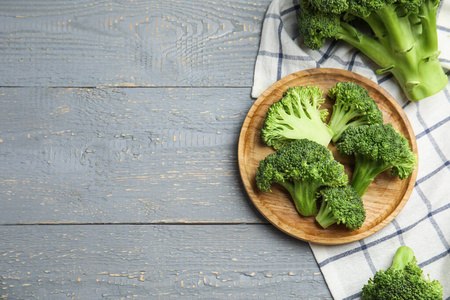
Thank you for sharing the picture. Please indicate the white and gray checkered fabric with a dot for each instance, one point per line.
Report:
(424, 223)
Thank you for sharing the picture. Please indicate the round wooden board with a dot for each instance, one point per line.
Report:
(383, 200)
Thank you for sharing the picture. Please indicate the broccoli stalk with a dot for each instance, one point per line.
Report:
(402, 40)
(341, 205)
(302, 167)
(304, 194)
(403, 256)
(353, 106)
(365, 171)
(298, 115)
(402, 280)
(376, 148)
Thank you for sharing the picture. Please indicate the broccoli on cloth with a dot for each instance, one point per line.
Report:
(400, 36)
(341, 205)
(353, 106)
(298, 115)
(402, 280)
(377, 148)
(301, 167)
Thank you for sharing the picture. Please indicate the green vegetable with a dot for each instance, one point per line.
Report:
(297, 116)
(376, 148)
(301, 167)
(353, 106)
(341, 205)
(398, 35)
(402, 280)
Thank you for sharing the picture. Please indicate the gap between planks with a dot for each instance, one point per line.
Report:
(128, 87)
(141, 224)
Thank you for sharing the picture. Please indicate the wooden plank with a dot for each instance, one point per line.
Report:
(150, 155)
(129, 43)
(156, 262)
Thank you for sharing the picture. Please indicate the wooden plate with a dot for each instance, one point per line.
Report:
(383, 200)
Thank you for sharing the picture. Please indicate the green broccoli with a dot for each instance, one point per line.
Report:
(301, 167)
(341, 205)
(353, 106)
(297, 116)
(400, 36)
(402, 280)
(376, 148)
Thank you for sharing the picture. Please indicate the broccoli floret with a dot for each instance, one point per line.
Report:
(341, 205)
(398, 35)
(376, 148)
(353, 106)
(402, 280)
(297, 116)
(301, 167)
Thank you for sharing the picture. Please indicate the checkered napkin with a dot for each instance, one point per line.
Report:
(424, 223)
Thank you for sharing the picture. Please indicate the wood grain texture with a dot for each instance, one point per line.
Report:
(129, 43)
(122, 155)
(383, 200)
(81, 144)
(156, 262)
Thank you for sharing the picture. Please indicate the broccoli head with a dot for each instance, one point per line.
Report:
(297, 116)
(398, 35)
(353, 106)
(301, 167)
(402, 280)
(341, 205)
(377, 148)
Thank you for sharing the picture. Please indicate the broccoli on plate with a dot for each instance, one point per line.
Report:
(301, 167)
(400, 36)
(353, 106)
(402, 280)
(376, 148)
(298, 115)
(341, 205)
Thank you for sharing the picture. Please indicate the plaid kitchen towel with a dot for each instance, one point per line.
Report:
(424, 223)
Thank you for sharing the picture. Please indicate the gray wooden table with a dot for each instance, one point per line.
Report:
(119, 124)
